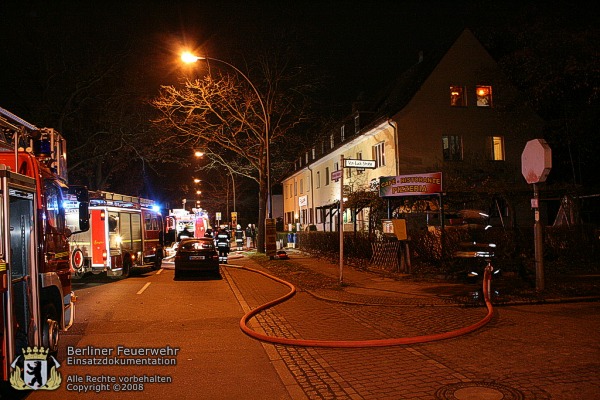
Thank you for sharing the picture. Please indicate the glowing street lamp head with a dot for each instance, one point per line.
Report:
(188, 57)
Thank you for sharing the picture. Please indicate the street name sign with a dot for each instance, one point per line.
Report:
(349, 163)
(336, 175)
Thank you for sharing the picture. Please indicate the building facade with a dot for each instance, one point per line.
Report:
(448, 111)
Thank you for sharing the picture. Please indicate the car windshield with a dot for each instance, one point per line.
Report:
(195, 245)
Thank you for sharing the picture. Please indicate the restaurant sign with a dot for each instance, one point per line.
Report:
(410, 185)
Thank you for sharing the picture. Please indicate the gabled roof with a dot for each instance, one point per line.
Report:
(397, 94)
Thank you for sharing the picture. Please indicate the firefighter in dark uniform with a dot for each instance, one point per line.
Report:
(239, 237)
(223, 245)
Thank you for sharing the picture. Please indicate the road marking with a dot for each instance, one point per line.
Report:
(159, 271)
(144, 288)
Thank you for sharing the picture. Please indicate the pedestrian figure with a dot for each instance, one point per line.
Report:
(223, 245)
(185, 233)
(239, 237)
(249, 242)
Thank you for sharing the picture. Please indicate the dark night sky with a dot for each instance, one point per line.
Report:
(356, 46)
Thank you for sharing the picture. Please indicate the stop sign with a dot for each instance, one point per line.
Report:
(536, 161)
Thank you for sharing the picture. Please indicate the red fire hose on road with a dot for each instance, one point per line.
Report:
(356, 343)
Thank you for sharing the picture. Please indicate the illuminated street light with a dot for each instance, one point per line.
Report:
(198, 153)
(188, 57)
(196, 180)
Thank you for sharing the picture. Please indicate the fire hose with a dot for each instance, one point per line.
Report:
(356, 343)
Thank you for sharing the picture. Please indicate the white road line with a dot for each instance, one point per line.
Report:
(144, 288)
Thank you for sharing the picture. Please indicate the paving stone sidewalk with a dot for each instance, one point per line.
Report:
(520, 354)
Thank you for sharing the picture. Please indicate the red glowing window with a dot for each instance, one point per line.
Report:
(484, 96)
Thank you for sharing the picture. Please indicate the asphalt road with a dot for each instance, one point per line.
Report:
(194, 322)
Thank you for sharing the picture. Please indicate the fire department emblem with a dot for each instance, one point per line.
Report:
(39, 371)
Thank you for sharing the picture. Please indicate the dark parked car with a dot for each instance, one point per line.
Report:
(198, 255)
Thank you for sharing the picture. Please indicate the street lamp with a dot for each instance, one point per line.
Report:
(188, 57)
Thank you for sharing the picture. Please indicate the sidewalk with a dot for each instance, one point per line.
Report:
(321, 278)
(522, 353)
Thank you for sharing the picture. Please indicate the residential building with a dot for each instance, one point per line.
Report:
(446, 112)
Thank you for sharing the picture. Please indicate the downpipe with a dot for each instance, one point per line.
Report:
(356, 343)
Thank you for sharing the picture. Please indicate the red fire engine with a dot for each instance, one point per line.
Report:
(183, 222)
(125, 232)
(35, 290)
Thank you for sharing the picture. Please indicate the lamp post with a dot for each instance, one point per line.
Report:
(188, 57)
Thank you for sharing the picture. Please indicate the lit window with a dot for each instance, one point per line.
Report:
(379, 154)
(496, 148)
(457, 96)
(314, 153)
(306, 157)
(452, 148)
(484, 96)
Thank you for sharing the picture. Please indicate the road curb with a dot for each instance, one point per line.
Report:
(280, 366)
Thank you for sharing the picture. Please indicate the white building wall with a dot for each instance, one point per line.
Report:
(326, 191)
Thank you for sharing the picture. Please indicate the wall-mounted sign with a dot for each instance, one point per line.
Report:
(410, 185)
(303, 201)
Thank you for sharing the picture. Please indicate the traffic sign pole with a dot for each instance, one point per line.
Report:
(538, 242)
(536, 163)
(342, 221)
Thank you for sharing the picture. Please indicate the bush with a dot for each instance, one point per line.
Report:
(567, 249)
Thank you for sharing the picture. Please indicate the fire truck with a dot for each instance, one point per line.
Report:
(35, 289)
(125, 232)
(180, 221)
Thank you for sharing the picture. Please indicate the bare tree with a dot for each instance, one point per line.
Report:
(221, 113)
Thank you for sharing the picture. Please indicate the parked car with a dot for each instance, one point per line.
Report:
(196, 255)
(281, 255)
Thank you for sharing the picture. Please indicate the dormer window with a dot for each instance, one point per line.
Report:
(357, 123)
(484, 96)
(342, 133)
(457, 96)
(331, 141)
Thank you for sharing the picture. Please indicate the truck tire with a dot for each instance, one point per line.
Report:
(126, 266)
(50, 327)
(157, 260)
